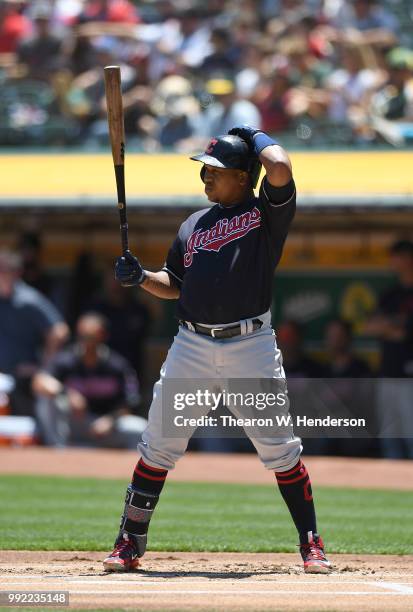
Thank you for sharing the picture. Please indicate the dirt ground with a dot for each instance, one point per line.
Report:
(207, 467)
(213, 581)
(206, 581)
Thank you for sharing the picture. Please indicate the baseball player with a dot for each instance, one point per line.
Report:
(220, 269)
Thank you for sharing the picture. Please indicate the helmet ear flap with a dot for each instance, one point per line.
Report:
(202, 173)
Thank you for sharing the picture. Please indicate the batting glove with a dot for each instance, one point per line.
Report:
(246, 132)
(128, 270)
(256, 140)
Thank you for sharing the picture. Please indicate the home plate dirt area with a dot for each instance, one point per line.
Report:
(171, 581)
(206, 581)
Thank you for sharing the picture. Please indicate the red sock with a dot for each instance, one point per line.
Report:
(295, 487)
(149, 479)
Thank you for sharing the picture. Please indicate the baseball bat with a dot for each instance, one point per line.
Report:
(117, 140)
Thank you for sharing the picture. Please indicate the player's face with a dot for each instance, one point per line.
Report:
(225, 186)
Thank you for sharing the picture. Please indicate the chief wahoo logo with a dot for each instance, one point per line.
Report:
(211, 145)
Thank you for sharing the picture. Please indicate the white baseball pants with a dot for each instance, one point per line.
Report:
(195, 356)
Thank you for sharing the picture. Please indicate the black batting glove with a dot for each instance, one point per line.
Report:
(247, 133)
(128, 270)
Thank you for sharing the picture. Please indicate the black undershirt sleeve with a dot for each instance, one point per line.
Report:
(277, 196)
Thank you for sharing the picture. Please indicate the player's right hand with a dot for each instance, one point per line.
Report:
(246, 132)
(128, 270)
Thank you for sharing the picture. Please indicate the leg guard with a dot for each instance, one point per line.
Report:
(139, 507)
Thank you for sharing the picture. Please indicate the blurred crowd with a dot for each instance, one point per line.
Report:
(316, 72)
(72, 353)
(74, 373)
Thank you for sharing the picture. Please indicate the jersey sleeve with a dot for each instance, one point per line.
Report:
(277, 197)
(174, 264)
(278, 209)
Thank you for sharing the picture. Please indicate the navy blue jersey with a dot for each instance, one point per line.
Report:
(224, 258)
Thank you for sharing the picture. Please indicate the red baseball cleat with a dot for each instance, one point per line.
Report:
(315, 561)
(124, 557)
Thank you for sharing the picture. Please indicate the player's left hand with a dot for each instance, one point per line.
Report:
(246, 132)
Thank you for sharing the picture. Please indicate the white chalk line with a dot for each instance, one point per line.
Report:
(392, 589)
(168, 593)
(395, 586)
(178, 580)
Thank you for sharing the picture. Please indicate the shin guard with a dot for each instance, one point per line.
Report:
(139, 507)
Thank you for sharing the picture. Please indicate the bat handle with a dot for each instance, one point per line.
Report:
(124, 237)
(120, 185)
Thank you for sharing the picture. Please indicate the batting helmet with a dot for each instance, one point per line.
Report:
(230, 152)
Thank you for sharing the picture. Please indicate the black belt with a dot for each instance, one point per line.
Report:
(219, 332)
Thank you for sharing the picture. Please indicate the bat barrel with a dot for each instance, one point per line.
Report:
(113, 88)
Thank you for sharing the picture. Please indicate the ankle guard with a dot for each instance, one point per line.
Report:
(139, 507)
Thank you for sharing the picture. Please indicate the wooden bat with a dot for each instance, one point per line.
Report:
(117, 140)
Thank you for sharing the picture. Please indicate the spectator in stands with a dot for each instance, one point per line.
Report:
(365, 16)
(392, 106)
(350, 85)
(249, 71)
(121, 11)
(272, 99)
(14, 26)
(172, 117)
(88, 393)
(300, 72)
(248, 42)
(341, 361)
(179, 124)
(193, 44)
(66, 12)
(222, 58)
(226, 108)
(31, 330)
(86, 96)
(392, 324)
(41, 54)
(81, 55)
